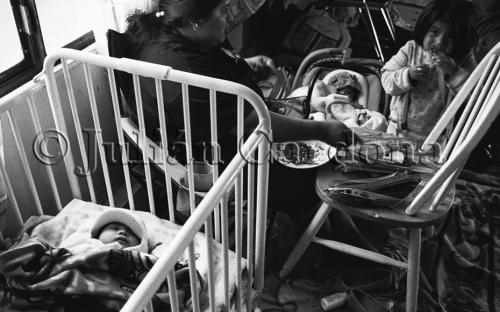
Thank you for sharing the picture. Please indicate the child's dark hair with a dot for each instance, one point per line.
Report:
(459, 14)
(144, 27)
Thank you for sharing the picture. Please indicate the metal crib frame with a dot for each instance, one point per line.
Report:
(214, 203)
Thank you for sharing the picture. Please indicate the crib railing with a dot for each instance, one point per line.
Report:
(210, 216)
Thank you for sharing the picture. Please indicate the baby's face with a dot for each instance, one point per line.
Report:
(120, 233)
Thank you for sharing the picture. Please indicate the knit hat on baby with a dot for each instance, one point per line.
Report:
(123, 216)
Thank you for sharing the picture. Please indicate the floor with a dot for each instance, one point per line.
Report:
(465, 257)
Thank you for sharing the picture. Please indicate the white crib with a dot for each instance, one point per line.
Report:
(62, 167)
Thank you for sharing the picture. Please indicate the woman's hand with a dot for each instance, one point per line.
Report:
(336, 133)
(259, 62)
(419, 72)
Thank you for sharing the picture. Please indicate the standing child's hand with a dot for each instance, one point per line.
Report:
(445, 63)
(419, 72)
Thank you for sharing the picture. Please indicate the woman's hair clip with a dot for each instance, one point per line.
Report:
(160, 14)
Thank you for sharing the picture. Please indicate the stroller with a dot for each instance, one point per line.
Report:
(316, 65)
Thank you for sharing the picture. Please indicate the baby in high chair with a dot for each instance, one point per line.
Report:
(343, 94)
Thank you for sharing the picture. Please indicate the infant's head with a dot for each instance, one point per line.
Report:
(120, 226)
(346, 84)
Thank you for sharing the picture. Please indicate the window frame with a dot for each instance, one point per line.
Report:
(34, 52)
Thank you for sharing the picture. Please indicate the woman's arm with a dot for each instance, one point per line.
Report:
(285, 128)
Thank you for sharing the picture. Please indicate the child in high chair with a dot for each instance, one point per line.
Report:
(424, 76)
(114, 228)
(342, 95)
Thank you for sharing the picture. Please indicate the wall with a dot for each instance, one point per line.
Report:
(23, 118)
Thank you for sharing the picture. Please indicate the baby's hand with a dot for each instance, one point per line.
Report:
(318, 96)
(443, 61)
(419, 72)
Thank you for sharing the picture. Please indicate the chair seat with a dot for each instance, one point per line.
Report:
(328, 176)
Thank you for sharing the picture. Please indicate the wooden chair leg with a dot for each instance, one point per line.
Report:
(317, 222)
(414, 246)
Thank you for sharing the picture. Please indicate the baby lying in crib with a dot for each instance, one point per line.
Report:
(342, 95)
(105, 262)
(113, 229)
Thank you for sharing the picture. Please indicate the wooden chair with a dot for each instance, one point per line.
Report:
(480, 96)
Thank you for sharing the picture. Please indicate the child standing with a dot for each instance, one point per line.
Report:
(424, 76)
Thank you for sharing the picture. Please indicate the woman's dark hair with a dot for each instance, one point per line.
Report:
(144, 27)
(459, 14)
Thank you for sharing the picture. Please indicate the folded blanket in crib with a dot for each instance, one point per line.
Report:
(38, 276)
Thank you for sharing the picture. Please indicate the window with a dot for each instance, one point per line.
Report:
(77, 14)
(31, 28)
(12, 45)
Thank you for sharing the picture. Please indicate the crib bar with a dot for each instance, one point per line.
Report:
(239, 210)
(48, 169)
(164, 150)
(189, 146)
(98, 134)
(193, 278)
(239, 207)
(250, 228)
(225, 247)
(172, 288)
(209, 235)
(189, 162)
(10, 192)
(142, 138)
(78, 129)
(215, 157)
(261, 214)
(24, 161)
(121, 141)
(467, 111)
(457, 100)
